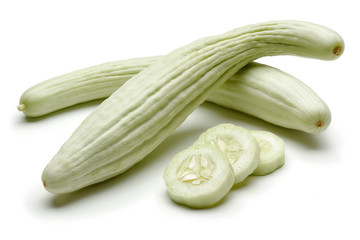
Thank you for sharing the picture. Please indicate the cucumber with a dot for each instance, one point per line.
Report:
(274, 96)
(199, 176)
(83, 85)
(239, 146)
(272, 152)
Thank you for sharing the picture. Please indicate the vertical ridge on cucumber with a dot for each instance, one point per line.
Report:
(280, 98)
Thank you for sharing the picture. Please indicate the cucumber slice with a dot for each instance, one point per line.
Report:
(238, 145)
(272, 152)
(199, 176)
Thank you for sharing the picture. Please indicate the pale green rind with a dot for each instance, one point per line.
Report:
(274, 96)
(248, 160)
(207, 193)
(169, 90)
(274, 158)
(95, 82)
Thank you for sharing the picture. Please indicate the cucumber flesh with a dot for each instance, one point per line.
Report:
(272, 152)
(199, 177)
(239, 146)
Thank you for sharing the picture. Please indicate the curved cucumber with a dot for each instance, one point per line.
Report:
(274, 96)
(95, 82)
(141, 114)
(199, 176)
(272, 152)
(239, 146)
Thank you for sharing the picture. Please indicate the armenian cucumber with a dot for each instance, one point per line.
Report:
(274, 96)
(95, 82)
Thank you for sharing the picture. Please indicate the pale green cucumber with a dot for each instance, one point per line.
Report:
(136, 118)
(272, 152)
(240, 147)
(274, 96)
(199, 176)
(95, 82)
(257, 89)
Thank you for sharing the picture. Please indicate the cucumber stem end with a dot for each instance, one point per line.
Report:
(319, 124)
(337, 50)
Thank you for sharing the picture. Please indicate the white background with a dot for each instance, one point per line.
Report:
(315, 195)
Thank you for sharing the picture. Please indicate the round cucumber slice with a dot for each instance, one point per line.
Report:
(238, 145)
(199, 176)
(272, 152)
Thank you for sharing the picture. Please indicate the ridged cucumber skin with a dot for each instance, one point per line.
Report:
(206, 194)
(150, 106)
(257, 89)
(95, 82)
(274, 96)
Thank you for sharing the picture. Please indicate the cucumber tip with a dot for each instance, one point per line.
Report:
(21, 107)
(319, 124)
(337, 50)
